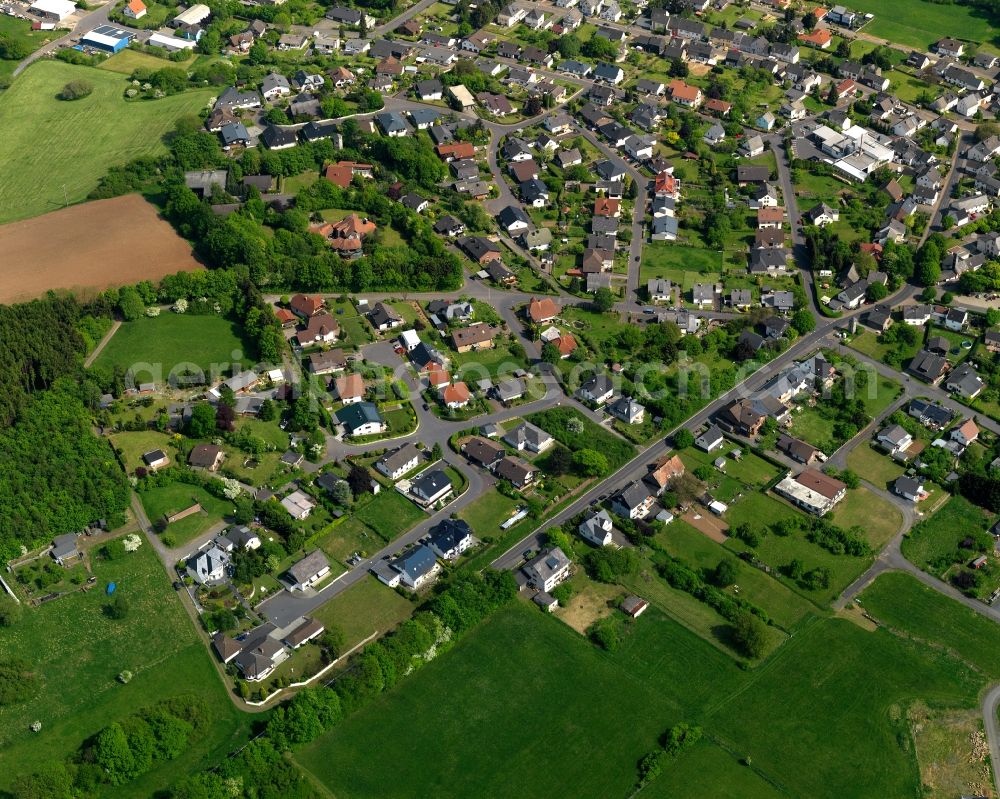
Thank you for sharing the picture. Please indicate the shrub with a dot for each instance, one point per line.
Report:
(76, 90)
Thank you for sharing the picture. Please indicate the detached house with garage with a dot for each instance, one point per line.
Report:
(597, 389)
(450, 538)
(528, 437)
(398, 462)
(308, 571)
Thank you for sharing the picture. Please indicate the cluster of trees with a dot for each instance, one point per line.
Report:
(55, 475)
(76, 90)
(121, 752)
(901, 339)
(39, 343)
(704, 587)
(610, 632)
(610, 564)
(676, 740)
(927, 264)
(981, 488)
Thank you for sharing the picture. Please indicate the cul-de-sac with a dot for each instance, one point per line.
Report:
(594, 399)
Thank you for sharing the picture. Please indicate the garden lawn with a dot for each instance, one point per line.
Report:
(78, 653)
(390, 514)
(487, 513)
(868, 344)
(345, 538)
(918, 23)
(657, 257)
(159, 502)
(871, 465)
(473, 366)
(936, 540)
(363, 609)
(879, 519)
(134, 444)
(751, 469)
(171, 340)
(811, 426)
(65, 147)
(885, 393)
(553, 421)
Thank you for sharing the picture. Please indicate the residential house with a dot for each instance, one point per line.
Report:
(709, 440)
(596, 528)
(965, 433)
(633, 502)
(298, 504)
(517, 471)
(894, 439)
(456, 395)
(384, 317)
(482, 452)
(319, 329)
(627, 410)
(797, 450)
(548, 569)
(361, 419)
(449, 539)
(910, 488)
(964, 381)
(528, 437)
(206, 456)
(399, 461)
(309, 571)
(598, 390)
(812, 491)
(431, 486)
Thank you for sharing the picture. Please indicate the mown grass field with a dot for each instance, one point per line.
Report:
(174, 340)
(78, 652)
(363, 609)
(64, 147)
(824, 716)
(874, 466)
(159, 502)
(918, 23)
(128, 61)
(390, 514)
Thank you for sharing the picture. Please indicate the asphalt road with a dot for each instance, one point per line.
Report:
(284, 608)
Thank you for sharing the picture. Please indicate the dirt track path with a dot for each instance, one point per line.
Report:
(101, 345)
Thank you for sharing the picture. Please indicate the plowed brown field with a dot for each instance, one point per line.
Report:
(88, 247)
